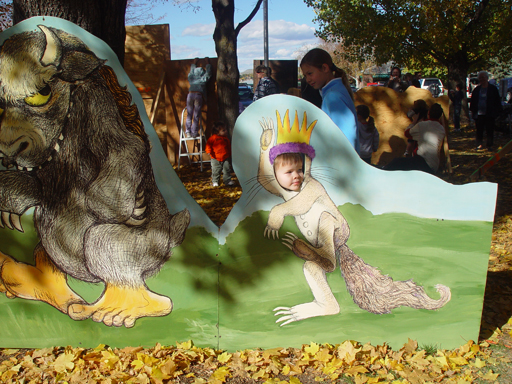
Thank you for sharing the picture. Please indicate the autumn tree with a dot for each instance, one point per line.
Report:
(461, 36)
(5, 14)
(102, 18)
(225, 37)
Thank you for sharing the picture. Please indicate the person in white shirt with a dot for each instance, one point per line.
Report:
(430, 135)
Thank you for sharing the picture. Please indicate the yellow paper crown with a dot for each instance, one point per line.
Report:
(294, 133)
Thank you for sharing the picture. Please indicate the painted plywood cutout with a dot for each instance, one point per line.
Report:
(396, 240)
(75, 153)
(102, 210)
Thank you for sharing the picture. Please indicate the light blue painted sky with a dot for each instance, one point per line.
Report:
(291, 30)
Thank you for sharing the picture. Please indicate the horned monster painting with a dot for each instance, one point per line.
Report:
(74, 149)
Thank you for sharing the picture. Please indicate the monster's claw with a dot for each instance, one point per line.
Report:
(5, 220)
(271, 232)
(292, 236)
(281, 309)
(16, 222)
(289, 319)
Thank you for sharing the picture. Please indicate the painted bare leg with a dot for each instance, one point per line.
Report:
(42, 282)
(120, 306)
(324, 304)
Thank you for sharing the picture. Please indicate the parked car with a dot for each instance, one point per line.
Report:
(245, 96)
(432, 84)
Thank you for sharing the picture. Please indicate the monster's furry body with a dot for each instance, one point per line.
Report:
(83, 165)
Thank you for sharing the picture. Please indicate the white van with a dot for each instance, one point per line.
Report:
(434, 85)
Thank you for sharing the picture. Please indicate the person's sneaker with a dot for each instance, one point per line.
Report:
(480, 147)
(194, 134)
(214, 184)
(230, 183)
(188, 135)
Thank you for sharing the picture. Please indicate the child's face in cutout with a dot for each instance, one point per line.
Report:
(289, 175)
(317, 77)
(223, 131)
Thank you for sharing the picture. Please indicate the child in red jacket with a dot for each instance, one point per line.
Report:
(218, 147)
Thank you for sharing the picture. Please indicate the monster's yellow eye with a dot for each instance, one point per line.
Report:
(40, 98)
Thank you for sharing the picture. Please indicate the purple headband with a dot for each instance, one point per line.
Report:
(279, 149)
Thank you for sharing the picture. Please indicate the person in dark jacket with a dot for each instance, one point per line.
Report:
(266, 85)
(485, 107)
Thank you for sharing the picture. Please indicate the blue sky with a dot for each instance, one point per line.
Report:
(291, 30)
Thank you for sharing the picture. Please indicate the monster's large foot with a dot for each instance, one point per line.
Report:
(42, 282)
(120, 306)
(305, 311)
(324, 304)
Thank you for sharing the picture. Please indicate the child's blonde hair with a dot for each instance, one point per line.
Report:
(288, 158)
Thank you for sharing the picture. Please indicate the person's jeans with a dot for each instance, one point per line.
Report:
(194, 105)
(456, 116)
(218, 167)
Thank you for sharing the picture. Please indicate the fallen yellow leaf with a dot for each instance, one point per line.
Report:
(64, 362)
(490, 376)
(312, 349)
(356, 369)
(221, 374)
(224, 357)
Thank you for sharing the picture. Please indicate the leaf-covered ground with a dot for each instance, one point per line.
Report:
(487, 360)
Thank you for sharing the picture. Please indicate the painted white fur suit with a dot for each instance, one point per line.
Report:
(326, 232)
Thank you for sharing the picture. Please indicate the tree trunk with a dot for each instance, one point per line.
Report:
(225, 38)
(102, 18)
(457, 74)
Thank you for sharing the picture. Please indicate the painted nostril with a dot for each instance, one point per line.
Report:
(23, 146)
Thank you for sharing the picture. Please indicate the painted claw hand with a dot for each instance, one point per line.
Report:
(306, 311)
(271, 232)
(11, 221)
(289, 317)
(268, 131)
(288, 239)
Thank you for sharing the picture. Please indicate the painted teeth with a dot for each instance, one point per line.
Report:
(57, 147)
(49, 158)
(61, 137)
(20, 168)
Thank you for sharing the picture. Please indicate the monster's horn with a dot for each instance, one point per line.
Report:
(53, 51)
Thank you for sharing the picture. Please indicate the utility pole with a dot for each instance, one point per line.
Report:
(265, 32)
